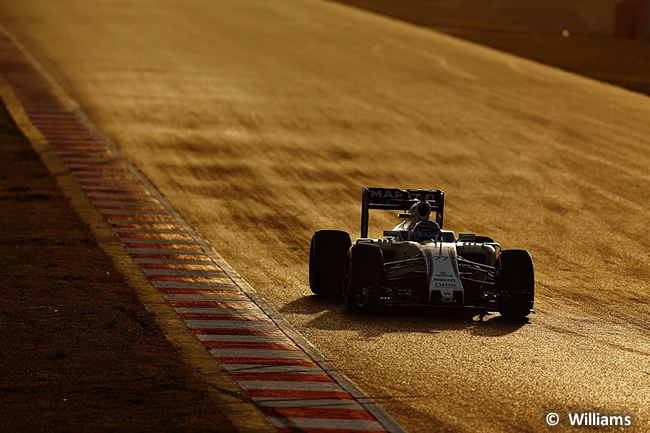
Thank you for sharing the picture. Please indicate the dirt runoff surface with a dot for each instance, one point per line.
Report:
(574, 35)
(78, 350)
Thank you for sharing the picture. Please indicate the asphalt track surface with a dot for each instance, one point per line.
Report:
(259, 121)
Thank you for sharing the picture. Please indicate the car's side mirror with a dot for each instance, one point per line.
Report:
(401, 234)
(467, 237)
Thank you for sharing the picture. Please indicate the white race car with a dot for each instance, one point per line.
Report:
(418, 263)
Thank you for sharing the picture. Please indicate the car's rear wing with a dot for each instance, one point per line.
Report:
(399, 199)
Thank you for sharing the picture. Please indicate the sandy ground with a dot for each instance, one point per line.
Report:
(260, 121)
(575, 35)
(79, 351)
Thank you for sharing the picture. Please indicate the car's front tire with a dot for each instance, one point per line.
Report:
(364, 271)
(516, 283)
(327, 253)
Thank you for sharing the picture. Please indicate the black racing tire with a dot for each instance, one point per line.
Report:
(364, 270)
(484, 239)
(516, 283)
(327, 253)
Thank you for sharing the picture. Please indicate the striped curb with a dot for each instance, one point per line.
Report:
(294, 385)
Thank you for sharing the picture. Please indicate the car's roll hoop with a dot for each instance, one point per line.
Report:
(399, 199)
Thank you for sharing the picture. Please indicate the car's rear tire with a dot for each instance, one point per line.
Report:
(484, 239)
(364, 271)
(516, 283)
(327, 253)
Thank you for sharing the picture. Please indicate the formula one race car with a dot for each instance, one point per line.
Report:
(419, 263)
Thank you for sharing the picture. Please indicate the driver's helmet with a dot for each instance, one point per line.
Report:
(426, 230)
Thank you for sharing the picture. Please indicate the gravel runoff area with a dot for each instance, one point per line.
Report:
(79, 350)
